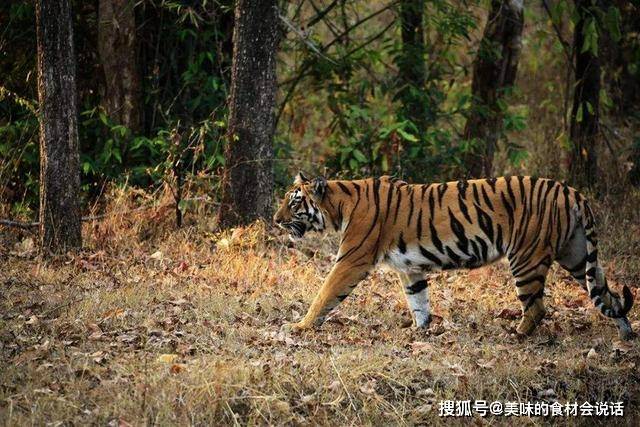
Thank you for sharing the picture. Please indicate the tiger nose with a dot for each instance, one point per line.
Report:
(277, 220)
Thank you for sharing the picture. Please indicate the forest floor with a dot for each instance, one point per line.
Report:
(153, 325)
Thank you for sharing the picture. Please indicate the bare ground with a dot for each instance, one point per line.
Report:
(151, 325)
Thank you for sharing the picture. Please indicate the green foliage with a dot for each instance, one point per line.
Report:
(183, 68)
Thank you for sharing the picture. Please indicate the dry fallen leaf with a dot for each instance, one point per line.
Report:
(176, 368)
(487, 364)
(509, 313)
(418, 347)
(622, 346)
(592, 354)
(369, 388)
(167, 358)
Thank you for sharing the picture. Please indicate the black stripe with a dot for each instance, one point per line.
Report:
(476, 251)
(485, 196)
(508, 207)
(476, 196)
(458, 230)
(499, 240)
(484, 248)
(376, 195)
(516, 273)
(463, 209)
(592, 257)
(512, 196)
(453, 256)
(432, 202)
(533, 299)
(434, 237)
(486, 225)
(521, 185)
(539, 278)
(442, 188)
(344, 188)
(462, 188)
(492, 184)
(417, 287)
(419, 225)
(402, 245)
(431, 257)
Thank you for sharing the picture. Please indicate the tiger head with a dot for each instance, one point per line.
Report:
(300, 211)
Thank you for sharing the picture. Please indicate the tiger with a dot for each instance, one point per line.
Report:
(419, 228)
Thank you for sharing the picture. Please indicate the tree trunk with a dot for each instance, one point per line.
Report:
(60, 227)
(247, 185)
(117, 49)
(586, 103)
(411, 65)
(494, 72)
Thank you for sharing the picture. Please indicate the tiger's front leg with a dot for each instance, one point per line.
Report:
(416, 290)
(337, 286)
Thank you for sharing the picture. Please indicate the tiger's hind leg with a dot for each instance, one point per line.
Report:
(573, 258)
(416, 290)
(530, 279)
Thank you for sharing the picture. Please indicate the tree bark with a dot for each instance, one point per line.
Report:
(60, 227)
(247, 185)
(585, 112)
(411, 65)
(494, 72)
(117, 49)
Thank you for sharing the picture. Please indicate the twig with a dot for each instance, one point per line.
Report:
(294, 81)
(304, 37)
(321, 13)
(18, 224)
(335, 368)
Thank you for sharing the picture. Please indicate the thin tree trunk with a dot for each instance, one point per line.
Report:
(117, 49)
(586, 103)
(411, 65)
(494, 72)
(247, 186)
(60, 227)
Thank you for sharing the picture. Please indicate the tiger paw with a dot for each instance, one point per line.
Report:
(528, 323)
(294, 327)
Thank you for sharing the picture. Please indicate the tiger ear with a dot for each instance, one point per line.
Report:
(319, 187)
(300, 179)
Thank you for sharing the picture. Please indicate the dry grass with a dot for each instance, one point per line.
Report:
(151, 325)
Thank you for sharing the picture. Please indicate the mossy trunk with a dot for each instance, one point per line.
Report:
(60, 227)
(247, 187)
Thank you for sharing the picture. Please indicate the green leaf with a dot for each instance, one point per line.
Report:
(579, 114)
(359, 155)
(406, 136)
(612, 23)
